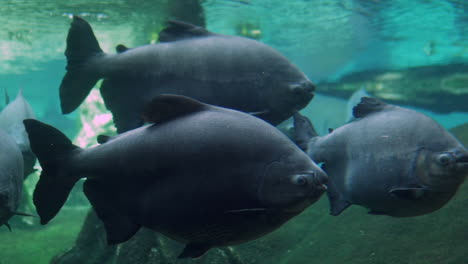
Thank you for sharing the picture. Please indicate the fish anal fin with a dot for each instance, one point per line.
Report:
(178, 30)
(367, 106)
(194, 250)
(118, 224)
(166, 107)
(126, 113)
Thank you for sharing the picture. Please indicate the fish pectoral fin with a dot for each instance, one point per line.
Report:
(249, 210)
(303, 131)
(119, 226)
(24, 214)
(367, 106)
(337, 206)
(166, 107)
(413, 193)
(194, 250)
(178, 30)
(258, 113)
(248, 213)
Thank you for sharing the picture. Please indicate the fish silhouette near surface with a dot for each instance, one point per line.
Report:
(11, 177)
(222, 70)
(392, 160)
(203, 175)
(11, 122)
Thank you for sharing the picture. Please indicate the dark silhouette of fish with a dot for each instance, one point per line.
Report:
(203, 175)
(228, 71)
(392, 160)
(11, 178)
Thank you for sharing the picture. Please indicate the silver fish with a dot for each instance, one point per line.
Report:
(392, 160)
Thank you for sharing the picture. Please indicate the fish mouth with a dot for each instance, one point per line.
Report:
(304, 89)
(461, 159)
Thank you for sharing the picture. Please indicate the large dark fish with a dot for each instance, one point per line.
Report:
(222, 70)
(203, 175)
(11, 177)
(392, 160)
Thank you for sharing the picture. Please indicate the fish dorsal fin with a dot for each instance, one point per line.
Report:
(178, 30)
(121, 48)
(167, 107)
(368, 105)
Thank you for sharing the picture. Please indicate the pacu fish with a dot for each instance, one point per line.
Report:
(392, 160)
(203, 175)
(11, 122)
(228, 71)
(11, 177)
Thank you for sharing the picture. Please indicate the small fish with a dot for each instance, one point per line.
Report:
(228, 71)
(11, 121)
(203, 175)
(11, 177)
(392, 160)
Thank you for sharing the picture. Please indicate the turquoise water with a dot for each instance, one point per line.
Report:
(326, 39)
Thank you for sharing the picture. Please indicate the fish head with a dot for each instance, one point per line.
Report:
(291, 183)
(442, 171)
(290, 92)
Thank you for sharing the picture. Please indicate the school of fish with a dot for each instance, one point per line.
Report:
(198, 157)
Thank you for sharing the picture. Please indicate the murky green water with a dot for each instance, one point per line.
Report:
(342, 46)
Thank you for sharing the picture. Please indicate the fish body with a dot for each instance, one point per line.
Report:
(228, 71)
(11, 122)
(203, 175)
(11, 177)
(392, 160)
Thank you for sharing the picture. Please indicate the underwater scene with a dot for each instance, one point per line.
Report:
(234, 132)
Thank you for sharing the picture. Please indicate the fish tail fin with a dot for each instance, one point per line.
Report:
(54, 150)
(304, 131)
(82, 46)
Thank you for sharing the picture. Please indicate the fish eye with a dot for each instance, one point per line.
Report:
(444, 159)
(300, 180)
